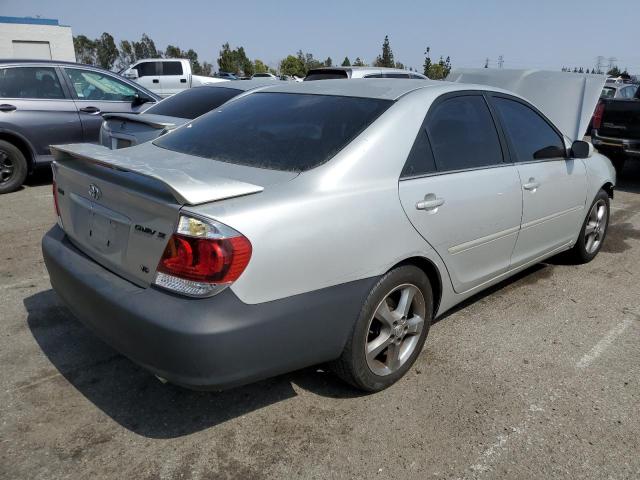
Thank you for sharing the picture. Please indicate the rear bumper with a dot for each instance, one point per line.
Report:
(214, 343)
(628, 146)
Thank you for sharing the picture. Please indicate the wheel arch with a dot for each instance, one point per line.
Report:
(433, 274)
(21, 144)
(608, 187)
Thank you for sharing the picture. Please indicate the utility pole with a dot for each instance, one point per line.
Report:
(599, 63)
(486, 63)
(500, 61)
(612, 62)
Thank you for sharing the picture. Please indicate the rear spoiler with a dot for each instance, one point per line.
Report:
(567, 99)
(195, 182)
(134, 117)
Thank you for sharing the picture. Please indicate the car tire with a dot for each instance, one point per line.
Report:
(593, 231)
(13, 167)
(396, 313)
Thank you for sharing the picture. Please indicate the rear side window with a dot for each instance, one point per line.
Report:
(420, 160)
(171, 68)
(396, 75)
(530, 135)
(194, 102)
(462, 134)
(148, 69)
(30, 82)
(279, 131)
(325, 75)
(374, 75)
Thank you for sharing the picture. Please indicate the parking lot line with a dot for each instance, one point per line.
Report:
(607, 340)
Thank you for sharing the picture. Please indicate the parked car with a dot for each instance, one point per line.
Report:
(48, 102)
(618, 90)
(227, 76)
(264, 75)
(166, 76)
(321, 222)
(331, 73)
(120, 130)
(616, 129)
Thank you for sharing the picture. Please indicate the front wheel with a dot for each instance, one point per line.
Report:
(390, 331)
(594, 230)
(13, 167)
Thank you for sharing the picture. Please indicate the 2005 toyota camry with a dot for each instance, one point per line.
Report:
(324, 221)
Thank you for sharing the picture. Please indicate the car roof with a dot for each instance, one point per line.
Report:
(243, 85)
(22, 61)
(380, 88)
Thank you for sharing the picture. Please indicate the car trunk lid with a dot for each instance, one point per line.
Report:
(120, 208)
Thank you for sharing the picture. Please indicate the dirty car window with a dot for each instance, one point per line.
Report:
(280, 131)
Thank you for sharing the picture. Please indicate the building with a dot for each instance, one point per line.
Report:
(39, 38)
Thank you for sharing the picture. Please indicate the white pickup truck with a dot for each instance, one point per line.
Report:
(166, 76)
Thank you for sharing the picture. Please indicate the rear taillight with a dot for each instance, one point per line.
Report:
(55, 202)
(597, 115)
(202, 258)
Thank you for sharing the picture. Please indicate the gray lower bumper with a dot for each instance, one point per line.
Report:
(216, 342)
(626, 146)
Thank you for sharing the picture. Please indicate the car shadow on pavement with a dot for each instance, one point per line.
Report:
(138, 401)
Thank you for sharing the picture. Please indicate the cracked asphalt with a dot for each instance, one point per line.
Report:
(537, 378)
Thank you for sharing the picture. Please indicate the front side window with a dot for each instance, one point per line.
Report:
(396, 75)
(147, 69)
(462, 134)
(280, 131)
(30, 82)
(531, 136)
(89, 85)
(171, 68)
(194, 102)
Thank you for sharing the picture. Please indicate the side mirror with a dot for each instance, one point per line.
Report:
(581, 149)
(131, 74)
(139, 100)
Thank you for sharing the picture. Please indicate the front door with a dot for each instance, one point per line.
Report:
(554, 187)
(459, 194)
(97, 93)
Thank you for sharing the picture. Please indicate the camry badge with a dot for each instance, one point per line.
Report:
(94, 192)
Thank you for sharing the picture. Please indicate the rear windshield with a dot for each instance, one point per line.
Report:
(280, 131)
(194, 102)
(608, 92)
(325, 75)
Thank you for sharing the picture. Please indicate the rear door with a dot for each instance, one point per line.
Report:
(172, 79)
(149, 75)
(96, 93)
(459, 193)
(554, 187)
(35, 103)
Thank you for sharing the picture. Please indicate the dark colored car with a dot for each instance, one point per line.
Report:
(44, 103)
(616, 129)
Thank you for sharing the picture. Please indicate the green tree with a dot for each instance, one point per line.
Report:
(234, 61)
(386, 59)
(308, 61)
(85, 49)
(328, 62)
(259, 66)
(346, 62)
(359, 63)
(106, 51)
(427, 61)
(614, 72)
(400, 65)
(292, 65)
(126, 56)
(145, 48)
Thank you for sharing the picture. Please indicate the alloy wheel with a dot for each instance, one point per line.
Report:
(6, 167)
(394, 329)
(596, 226)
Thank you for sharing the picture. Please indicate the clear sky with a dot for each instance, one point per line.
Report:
(534, 33)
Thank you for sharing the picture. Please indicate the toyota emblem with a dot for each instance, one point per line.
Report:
(94, 192)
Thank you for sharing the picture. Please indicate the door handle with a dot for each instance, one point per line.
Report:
(183, 80)
(531, 185)
(430, 202)
(155, 80)
(90, 110)
(5, 107)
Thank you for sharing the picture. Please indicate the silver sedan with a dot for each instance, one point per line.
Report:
(323, 222)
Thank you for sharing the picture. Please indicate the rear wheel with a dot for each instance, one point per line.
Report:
(13, 167)
(594, 230)
(390, 331)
